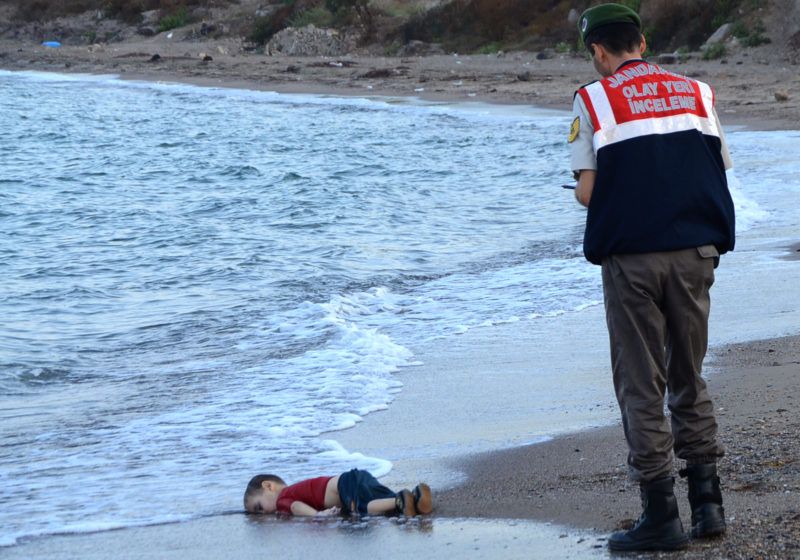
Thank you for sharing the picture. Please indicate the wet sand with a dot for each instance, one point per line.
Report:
(239, 536)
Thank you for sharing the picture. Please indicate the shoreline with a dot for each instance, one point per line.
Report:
(744, 86)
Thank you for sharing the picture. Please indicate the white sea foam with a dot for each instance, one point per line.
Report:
(55, 77)
(399, 104)
(748, 211)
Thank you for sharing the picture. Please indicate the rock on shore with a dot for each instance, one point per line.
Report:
(311, 41)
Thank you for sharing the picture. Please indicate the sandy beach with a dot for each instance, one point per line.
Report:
(505, 499)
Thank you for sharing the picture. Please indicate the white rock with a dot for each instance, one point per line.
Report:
(573, 16)
(150, 17)
(720, 34)
(310, 41)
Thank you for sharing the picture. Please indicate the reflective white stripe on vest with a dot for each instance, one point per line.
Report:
(610, 132)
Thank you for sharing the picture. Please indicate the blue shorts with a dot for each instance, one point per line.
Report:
(357, 488)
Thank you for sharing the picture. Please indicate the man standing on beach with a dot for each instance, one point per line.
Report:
(650, 158)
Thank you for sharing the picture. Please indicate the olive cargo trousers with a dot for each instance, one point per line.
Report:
(657, 307)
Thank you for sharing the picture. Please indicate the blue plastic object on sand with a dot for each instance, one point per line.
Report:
(51, 44)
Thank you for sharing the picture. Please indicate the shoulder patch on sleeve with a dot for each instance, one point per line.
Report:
(574, 130)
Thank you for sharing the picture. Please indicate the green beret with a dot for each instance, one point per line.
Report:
(605, 14)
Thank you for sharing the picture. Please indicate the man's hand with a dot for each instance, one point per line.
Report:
(583, 192)
(330, 512)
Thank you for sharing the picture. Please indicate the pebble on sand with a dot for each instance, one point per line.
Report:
(781, 95)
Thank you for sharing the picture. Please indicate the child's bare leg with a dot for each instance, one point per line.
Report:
(384, 505)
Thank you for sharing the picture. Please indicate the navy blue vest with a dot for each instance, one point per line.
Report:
(661, 182)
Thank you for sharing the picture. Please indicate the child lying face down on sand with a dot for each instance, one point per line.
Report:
(353, 492)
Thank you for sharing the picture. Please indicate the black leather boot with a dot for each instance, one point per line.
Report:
(705, 497)
(659, 527)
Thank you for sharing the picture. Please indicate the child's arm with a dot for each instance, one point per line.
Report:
(303, 509)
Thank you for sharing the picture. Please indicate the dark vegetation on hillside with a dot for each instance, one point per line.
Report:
(459, 25)
(129, 11)
(467, 25)
(672, 24)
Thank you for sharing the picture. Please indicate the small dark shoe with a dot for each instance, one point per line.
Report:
(404, 503)
(659, 527)
(423, 498)
(705, 497)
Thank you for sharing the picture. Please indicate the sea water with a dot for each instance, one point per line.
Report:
(200, 284)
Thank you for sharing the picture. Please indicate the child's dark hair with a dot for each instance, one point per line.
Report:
(618, 38)
(254, 486)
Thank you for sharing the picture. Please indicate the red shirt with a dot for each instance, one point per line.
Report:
(311, 492)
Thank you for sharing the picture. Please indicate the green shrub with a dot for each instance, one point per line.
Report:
(562, 47)
(392, 49)
(263, 30)
(403, 9)
(318, 16)
(266, 26)
(172, 21)
(750, 36)
(723, 11)
(714, 52)
(755, 40)
(351, 11)
(489, 48)
(739, 30)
